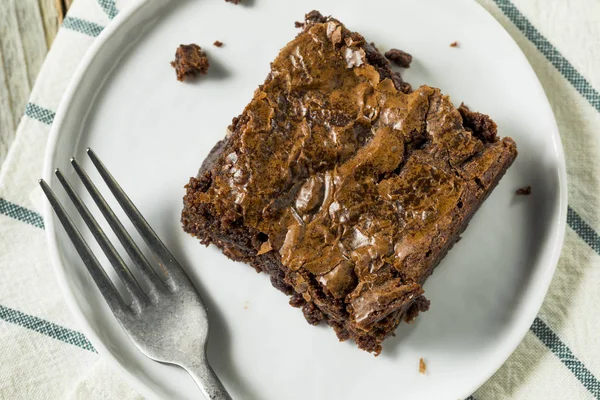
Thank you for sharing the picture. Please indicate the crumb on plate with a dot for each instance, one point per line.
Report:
(189, 60)
(524, 191)
(422, 366)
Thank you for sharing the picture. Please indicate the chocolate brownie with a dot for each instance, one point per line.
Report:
(346, 189)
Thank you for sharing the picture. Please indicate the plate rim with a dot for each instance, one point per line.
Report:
(47, 174)
(544, 279)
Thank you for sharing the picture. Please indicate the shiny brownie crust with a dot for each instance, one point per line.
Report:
(345, 185)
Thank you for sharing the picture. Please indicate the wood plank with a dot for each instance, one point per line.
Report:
(51, 11)
(7, 126)
(14, 65)
(33, 39)
(62, 6)
(27, 30)
(23, 48)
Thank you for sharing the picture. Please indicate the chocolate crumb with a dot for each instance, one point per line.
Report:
(524, 191)
(299, 24)
(399, 57)
(218, 43)
(422, 366)
(234, 1)
(454, 44)
(189, 60)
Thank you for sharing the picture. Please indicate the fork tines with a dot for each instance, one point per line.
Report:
(108, 290)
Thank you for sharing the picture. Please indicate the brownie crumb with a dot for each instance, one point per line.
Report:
(189, 60)
(454, 44)
(422, 366)
(399, 57)
(299, 24)
(218, 43)
(524, 191)
(233, 1)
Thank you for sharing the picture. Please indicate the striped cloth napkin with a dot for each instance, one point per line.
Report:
(44, 356)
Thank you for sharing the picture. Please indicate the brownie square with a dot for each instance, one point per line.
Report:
(343, 184)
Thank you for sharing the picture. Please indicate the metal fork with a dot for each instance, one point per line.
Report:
(168, 323)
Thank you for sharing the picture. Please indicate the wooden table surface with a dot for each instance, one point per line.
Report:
(27, 29)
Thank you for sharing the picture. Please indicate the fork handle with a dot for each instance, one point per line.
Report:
(207, 380)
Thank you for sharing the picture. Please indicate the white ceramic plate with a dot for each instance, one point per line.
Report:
(153, 133)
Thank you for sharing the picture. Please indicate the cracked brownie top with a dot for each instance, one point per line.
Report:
(349, 178)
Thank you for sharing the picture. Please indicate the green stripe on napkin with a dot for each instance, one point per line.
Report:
(81, 26)
(46, 328)
(21, 213)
